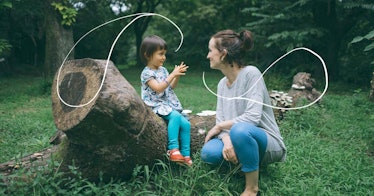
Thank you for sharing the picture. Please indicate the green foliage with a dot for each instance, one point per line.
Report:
(299, 38)
(271, 20)
(199, 20)
(48, 180)
(5, 4)
(22, 27)
(358, 65)
(326, 27)
(98, 43)
(362, 4)
(369, 36)
(67, 12)
(5, 47)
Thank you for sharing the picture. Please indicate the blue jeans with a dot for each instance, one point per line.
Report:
(249, 144)
(178, 125)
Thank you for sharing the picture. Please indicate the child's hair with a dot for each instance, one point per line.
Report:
(151, 44)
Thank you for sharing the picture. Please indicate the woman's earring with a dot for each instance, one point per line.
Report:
(224, 54)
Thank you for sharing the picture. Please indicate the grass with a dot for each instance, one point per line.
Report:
(26, 121)
(330, 147)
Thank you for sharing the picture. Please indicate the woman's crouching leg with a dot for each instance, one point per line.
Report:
(211, 152)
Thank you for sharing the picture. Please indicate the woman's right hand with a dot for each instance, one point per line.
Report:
(217, 129)
(212, 132)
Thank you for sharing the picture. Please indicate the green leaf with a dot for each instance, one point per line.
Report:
(260, 15)
(250, 9)
(369, 47)
(290, 47)
(370, 35)
(357, 39)
(6, 4)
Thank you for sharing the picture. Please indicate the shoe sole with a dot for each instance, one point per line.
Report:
(177, 160)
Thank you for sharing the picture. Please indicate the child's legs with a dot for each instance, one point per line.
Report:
(249, 143)
(212, 152)
(174, 122)
(185, 136)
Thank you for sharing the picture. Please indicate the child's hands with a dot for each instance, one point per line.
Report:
(180, 69)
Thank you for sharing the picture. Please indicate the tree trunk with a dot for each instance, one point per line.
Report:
(116, 131)
(141, 25)
(324, 13)
(59, 40)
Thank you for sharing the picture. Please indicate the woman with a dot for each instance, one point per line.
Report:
(246, 131)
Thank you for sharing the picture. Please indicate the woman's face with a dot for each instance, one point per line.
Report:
(214, 55)
(157, 59)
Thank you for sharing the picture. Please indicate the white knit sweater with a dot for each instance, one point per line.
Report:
(249, 85)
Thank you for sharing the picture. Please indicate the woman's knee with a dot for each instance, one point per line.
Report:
(241, 130)
(212, 152)
(241, 133)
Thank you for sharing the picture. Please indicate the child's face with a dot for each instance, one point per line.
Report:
(157, 59)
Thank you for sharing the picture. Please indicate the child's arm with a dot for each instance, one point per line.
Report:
(171, 80)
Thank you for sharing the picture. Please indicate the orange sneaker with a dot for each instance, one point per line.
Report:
(188, 161)
(175, 155)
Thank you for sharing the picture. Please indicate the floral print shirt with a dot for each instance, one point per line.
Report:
(162, 103)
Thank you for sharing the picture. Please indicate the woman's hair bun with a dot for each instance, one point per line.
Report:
(247, 39)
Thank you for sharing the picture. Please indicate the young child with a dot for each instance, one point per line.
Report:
(157, 92)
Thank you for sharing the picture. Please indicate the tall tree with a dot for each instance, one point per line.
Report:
(141, 25)
(39, 34)
(59, 16)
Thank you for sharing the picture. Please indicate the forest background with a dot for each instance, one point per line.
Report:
(35, 36)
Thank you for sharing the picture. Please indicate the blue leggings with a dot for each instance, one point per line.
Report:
(178, 125)
(249, 144)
